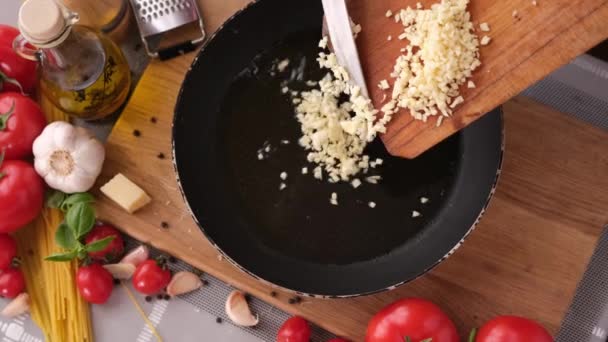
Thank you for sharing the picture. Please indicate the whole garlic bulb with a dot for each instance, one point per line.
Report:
(69, 158)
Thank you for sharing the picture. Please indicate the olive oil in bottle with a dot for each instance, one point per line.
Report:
(83, 72)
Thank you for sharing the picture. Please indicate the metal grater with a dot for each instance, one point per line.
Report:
(155, 17)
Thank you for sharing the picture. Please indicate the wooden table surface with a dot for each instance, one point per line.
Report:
(525, 257)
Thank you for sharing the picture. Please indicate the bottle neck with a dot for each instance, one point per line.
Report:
(76, 62)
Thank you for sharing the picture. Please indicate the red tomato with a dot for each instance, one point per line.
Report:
(8, 251)
(7, 35)
(415, 318)
(114, 250)
(21, 122)
(295, 329)
(150, 278)
(21, 195)
(16, 72)
(94, 283)
(512, 329)
(12, 283)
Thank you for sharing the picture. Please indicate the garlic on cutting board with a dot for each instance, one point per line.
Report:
(69, 158)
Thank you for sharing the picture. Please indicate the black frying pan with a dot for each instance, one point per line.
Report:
(230, 106)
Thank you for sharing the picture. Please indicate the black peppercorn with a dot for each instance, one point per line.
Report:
(205, 282)
(164, 224)
(219, 320)
(273, 294)
(153, 119)
(167, 297)
(160, 155)
(136, 133)
(148, 299)
(159, 297)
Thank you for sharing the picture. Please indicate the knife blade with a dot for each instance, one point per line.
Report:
(343, 42)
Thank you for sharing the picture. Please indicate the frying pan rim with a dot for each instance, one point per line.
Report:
(225, 256)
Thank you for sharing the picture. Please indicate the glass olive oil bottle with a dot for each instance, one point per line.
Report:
(83, 72)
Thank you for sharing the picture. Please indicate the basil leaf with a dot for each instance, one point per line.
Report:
(99, 245)
(55, 199)
(71, 200)
(64, 237)
(61, 256)
(80, 218)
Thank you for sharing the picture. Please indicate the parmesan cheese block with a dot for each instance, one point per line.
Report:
(125, 193)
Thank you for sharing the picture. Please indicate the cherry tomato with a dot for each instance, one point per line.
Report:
(512, 329)
(8, 251)
(7, 35)
(150, 278)
(12, 283)
(114, 250)
(94, 283)
(295, 329)
(21, 195)
(21, 122)
(413, 318)
(16, 73)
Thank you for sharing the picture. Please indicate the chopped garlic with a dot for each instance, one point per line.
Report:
(323, 43)
(285, 142)
(282, 186)
(336, 133)
(443, 52)
(372, 204)
(389, 38)
(373, 179)
(355, 183)
(318, 173)
(514, 14)
(283, 175)
(260, 156)
(284, 90)
(484, 27)
(283, 65)
(379, 161)
(388, 14)
(534, 3)
(456, 102)
(311, 83)
(415, 214)
(470, 84)
(304, 170)
(424, 200)
(383, 85)
(439, 121)
(485, 40)
(334, 199)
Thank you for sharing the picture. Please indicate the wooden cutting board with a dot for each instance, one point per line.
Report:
(525, 257)
(530, 39)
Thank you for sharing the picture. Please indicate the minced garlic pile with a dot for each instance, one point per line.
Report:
(443, 52)
(336, 133)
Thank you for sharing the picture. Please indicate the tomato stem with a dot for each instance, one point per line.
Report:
(472, 335)
(4, 78)
(1, 160)
(5, 116)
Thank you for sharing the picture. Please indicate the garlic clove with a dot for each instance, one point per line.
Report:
(238, 310)
(183, 282)
(136, 256)
(121, 271)
(18, 306)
